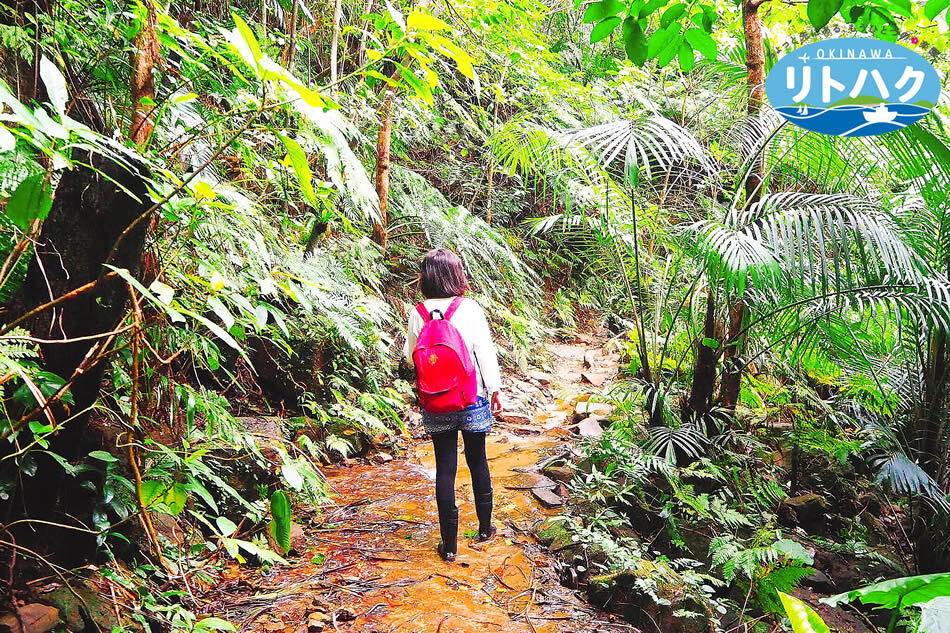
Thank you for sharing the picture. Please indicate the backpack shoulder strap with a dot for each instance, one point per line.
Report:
(421, 309)
(456, 302)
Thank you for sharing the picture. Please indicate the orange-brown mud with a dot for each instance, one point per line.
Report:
(371, 563)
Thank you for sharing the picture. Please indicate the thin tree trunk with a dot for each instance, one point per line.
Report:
(145, 56)
(383, 146)
(494, 126)
(361, 53)
(931, 434)
(755, 80)
(704, 368)
(335, 42)
(287, 57)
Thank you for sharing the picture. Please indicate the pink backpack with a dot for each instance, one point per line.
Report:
(444, 369)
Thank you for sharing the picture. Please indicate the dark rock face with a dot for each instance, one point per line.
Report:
(92, 209)
(286, 377)
(30, 618)
(809, 511)
(662, 611)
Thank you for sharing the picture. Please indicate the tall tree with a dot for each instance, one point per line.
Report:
(383, 148)
(145, 57)
(755, 181)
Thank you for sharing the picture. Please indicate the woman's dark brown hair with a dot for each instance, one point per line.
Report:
(442, 275)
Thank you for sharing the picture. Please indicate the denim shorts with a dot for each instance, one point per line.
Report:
(477, 418)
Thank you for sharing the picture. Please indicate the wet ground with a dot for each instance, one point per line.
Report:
(369, 563)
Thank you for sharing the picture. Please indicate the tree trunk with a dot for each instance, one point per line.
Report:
(287, 56)
(930, 432)
(731, 360)
(91, 208)
(755, 81)
(704, 368)
(383, 146)
(318, 230)
(335, 41)
(361, 53)
(145, 56)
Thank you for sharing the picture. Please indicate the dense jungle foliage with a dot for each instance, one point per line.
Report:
(214, 212)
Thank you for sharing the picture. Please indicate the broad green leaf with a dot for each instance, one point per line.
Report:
(687, 57)
(902, 8)
(794, 550)
(222, 311)
(204, 191)
(396, 15)
(650, 7)
(226, 526)
(260, 316)
(69, 468)
(425, 22)
(203, 493)
(264, 554)
(31, 200)
(214, 624)
(935, 615)
(216, 330)
(634, 41)
(672, 14)
(447, 47)
(185, 98)
(420, 87)
(173, 496)
(599, 11)
(243, 40)
(660, 39)
(292, 476)
(152, 490)
(934, 8)
(103, 456)
(898, 592)
(702, 42)
(163, 292)
(820, 12)
(669, 51)
(803, 617)
(7, 140)
(55, 86)
(603, 29)
(280, 525)
(463, 61)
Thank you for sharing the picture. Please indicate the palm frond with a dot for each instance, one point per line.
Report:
(903, 476)
(670, 443)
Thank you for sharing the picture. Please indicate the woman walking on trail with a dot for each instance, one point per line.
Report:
(450, 343)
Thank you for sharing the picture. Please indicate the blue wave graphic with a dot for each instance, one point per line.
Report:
(854, 120)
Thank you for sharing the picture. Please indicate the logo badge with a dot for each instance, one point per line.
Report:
(852, 87)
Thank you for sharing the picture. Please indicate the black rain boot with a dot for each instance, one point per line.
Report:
(483, 508)
(449, 528)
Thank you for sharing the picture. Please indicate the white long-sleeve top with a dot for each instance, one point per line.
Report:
(469, 319)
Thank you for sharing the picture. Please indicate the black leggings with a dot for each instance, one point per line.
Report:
(446, 465)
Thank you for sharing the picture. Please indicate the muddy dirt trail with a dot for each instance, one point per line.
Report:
(369, 563)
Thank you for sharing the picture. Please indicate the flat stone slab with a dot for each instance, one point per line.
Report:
(586, 409)
(547, 497)
(514, 417)
(590, 427)
(595, 379)
(542, 377)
